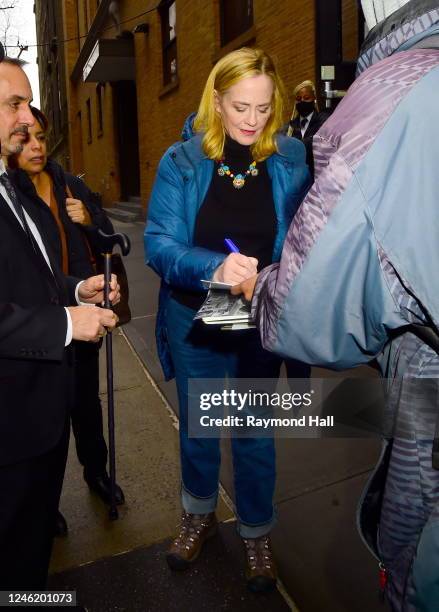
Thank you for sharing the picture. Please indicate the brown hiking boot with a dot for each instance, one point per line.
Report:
(261, 571)
(195, 529)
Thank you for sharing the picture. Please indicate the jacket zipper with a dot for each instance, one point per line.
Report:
(383, 576)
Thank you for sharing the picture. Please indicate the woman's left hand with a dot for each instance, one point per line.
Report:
(77, 211)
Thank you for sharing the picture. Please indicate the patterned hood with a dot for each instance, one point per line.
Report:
(401, 31)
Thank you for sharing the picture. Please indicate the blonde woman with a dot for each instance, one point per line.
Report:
(234, 177)
(306, 118)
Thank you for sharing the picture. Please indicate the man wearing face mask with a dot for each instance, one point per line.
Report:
(306, 119)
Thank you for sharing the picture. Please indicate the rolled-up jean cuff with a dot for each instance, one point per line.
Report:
(198, 505)
(255, 531)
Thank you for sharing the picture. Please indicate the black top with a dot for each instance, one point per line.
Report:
(245, 215)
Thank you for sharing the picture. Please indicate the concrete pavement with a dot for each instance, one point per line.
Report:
(119, 565)
(322, 562)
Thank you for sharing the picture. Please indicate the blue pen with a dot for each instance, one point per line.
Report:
(231, 245)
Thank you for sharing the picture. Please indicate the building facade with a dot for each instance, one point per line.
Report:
(134, 69)
(53, 78)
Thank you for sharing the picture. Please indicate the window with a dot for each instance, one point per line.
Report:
(168, 19)
(89, 131)
(99, 109)
(236, 18)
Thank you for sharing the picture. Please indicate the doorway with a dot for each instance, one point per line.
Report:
(125, 98)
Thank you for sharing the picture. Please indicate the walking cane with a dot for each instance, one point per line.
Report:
(107, 243)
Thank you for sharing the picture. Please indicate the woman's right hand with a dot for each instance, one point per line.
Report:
(236, 268)
(77, 211)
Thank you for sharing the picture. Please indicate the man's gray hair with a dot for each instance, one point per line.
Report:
(378, 10)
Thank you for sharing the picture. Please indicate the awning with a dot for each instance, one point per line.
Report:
(112, 59)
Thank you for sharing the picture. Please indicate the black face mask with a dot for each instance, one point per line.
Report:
(305, 108)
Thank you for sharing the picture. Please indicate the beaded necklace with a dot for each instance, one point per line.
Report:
(238, 179)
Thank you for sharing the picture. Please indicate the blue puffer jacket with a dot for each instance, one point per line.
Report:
(183, 178)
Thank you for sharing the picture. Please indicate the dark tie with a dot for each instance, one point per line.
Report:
(6, 182)
(303, 123)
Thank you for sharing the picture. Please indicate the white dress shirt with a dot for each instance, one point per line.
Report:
(305, 126)
(37, 237)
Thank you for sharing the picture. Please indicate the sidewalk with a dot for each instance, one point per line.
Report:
(322, 562)
(120, 565)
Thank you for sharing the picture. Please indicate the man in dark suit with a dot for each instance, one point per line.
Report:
(71, 224)
(36, 329)
(306, 120)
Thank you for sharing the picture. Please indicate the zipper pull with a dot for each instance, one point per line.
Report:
(383, 578)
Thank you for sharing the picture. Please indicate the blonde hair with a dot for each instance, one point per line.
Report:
(303, 85)
(229, 70)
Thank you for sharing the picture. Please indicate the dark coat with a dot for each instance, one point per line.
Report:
(77, 236)
(35, 367)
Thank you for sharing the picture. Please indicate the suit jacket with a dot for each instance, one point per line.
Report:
(35, 367)
(80, 239)
(316, 122)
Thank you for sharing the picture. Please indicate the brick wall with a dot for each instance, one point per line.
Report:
(284, 28)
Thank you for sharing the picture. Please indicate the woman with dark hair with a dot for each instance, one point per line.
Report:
(70, 214)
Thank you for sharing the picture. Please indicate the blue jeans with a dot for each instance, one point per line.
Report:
(201, 351)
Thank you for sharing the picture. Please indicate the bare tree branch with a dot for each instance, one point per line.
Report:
(5, 7)
(7, 34)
